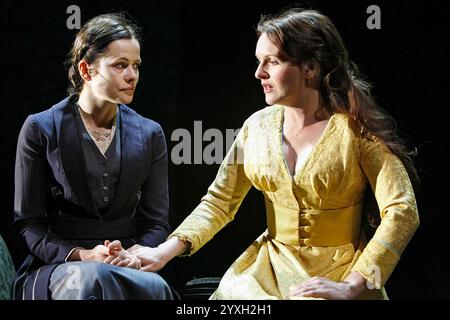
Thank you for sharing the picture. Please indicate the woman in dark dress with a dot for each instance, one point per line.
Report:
(90, 170)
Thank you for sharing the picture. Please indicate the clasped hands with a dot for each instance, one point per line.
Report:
(137, 257)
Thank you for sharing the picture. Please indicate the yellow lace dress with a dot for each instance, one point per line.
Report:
(314, 217)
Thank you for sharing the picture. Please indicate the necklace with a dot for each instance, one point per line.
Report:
(102, 137)
(101, 134)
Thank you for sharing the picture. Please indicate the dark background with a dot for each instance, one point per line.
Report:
(199, 64)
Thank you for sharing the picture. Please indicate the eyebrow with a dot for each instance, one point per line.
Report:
(268, 56)
(126, 59)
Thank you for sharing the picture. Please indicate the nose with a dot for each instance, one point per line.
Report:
(131, 74)
(260, 73)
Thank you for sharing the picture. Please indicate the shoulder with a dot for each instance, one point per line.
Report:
(150, 129)
(346, 127)
(147, 125)
(343, 121)
(265, 113)
(44, 121)
(263, 117)
(347, 134)
(351, 132)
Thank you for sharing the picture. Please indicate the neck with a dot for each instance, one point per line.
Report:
(304, 113)
(97, 114)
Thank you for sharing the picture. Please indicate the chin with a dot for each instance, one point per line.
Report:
(271, 100)
(126, 100)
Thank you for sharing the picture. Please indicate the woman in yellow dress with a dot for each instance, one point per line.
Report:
(312, 153)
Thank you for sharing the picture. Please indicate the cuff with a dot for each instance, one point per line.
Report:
(190, 250)
(66, 259)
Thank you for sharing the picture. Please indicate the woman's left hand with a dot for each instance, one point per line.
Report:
(319, 287)
(152, 259)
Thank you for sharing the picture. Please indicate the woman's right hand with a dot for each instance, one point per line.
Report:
(97, 254)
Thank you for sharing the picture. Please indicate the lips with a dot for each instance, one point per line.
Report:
(267, 88)
(128, 91)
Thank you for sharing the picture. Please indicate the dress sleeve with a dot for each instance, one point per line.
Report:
(220, 204)
(398, 211)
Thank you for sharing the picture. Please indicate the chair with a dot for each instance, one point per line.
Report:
(200, 288)
(7, 271)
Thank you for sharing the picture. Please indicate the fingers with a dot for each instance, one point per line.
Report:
(137, 264)
(128, 261)
(125, 258)
(123, 263)
(116, 253)
(320, 292)
(134, 263)
(318, 287)
(309, 287)
(114, 246)
(118, 259)
(109, 259)
(305, 292)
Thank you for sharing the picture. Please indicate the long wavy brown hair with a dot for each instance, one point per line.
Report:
(309, 37)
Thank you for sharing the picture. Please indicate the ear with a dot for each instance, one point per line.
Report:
(85, 70)
(310, 70)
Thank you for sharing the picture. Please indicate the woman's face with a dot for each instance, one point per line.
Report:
(282, 80)
(115, 74)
